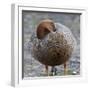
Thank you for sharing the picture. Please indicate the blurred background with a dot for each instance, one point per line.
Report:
(30, 20)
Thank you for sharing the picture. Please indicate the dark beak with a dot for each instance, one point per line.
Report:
(54, 29)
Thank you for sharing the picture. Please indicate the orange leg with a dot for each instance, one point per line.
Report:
(65, 68)
(46, 67)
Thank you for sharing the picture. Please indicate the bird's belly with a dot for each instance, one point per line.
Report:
(54, 55)
(55, 50)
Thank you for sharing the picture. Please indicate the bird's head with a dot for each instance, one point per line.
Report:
(45, 27)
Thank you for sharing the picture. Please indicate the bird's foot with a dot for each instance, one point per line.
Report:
(53, 71)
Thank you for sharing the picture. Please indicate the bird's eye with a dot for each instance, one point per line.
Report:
(46, 30)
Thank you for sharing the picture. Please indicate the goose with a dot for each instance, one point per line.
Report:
(54, 45)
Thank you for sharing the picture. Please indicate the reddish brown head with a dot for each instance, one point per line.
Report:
(45, 27)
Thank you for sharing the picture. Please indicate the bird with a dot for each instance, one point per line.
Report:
(54, 45)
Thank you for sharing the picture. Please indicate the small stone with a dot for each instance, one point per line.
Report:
(74, 72)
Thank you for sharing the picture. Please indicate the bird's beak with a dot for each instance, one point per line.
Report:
(52, 31)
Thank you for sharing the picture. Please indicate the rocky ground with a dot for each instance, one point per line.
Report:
(32, 68)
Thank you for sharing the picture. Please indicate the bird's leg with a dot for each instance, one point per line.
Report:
(65, 68)
(46, 67)
(52, 70)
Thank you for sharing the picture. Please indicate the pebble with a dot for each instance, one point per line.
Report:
(74, 72)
